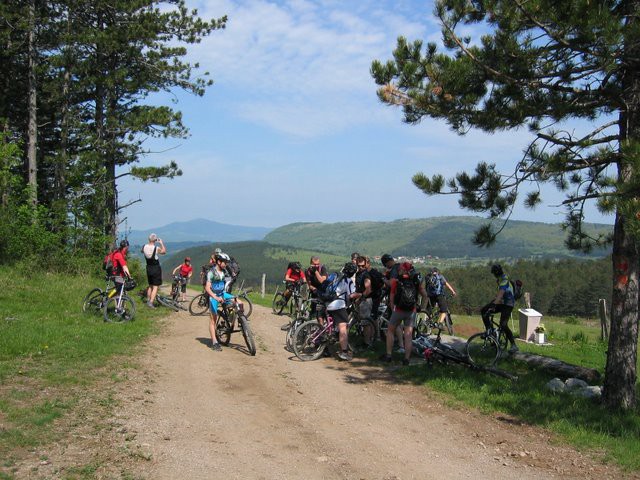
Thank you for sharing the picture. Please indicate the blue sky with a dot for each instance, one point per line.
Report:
(292, 129)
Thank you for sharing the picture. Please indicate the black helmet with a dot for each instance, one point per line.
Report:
(385, 258)
(349, 269)
(123, 244)
(496, 270)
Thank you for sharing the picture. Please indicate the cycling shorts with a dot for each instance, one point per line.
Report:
(441, 300)
(214, 303)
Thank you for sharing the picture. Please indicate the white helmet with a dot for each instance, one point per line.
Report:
(223, 256)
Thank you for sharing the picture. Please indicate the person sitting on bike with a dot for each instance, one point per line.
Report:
(403, 300)
(337, 309)
(215, 288)
(294, 278)
(435, 284)
(502, 303)
(120, 268)
(185, 271)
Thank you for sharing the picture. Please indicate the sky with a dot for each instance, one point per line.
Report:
(292, 129)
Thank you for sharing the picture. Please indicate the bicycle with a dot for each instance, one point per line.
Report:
(433, 349)
(294, 301)
(311, 338)
(119, 307)
(228, 312)
(95, 300)
(200, 303)
(357, 329)
(427, 318)
(484, 349)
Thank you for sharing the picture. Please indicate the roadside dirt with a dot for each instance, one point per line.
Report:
(187, 412)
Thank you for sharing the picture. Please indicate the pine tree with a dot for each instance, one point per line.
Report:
(542, 64)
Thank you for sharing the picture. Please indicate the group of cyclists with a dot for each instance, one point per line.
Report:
(404, 290)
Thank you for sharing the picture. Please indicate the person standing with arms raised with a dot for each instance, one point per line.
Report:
(152, 251)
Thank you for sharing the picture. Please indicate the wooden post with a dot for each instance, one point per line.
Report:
(264, 282)
(604, 319)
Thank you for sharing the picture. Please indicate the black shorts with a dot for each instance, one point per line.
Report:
(154, 275)
(441, 300)
(339, 316)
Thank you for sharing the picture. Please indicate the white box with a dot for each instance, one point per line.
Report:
(529, 320)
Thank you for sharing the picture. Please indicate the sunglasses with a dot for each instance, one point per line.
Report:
(362, 266)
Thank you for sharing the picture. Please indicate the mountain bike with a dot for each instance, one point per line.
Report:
(359, 329)
(431, 348)
(428, 318)
(95, 300)
(484, 349)
(119, 307)
(200, 303)
(228, 313)
(311, 338)
(293, 304)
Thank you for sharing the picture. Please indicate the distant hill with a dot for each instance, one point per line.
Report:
(198, 231)
(444, 237)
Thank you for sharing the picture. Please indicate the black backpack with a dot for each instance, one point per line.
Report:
(233, 267)
(517, 288)
(406, 293)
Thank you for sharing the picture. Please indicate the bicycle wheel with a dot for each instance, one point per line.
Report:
(92, 302)
(482, 350)
(124, 313)
(358, 332)
(291, 330)
(167, 302)
(423, 325)
(308, 343)
(448, 324)
(223, 329)
(247, 334)
(502, 340)
(278, 304)
(199, 304)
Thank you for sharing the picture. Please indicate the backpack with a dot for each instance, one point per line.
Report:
(327, 291)
(406, 293)
(433, 283)
(377, 281)
(517, 288)
(107, 264)
(233, 267)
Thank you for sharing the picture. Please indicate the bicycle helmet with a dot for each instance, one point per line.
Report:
(385, 258)
(223, 256)
(496, 270)
(124, 244)
(296, 266)
(349, 269)
(217, 251)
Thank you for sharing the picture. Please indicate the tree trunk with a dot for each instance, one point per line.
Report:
(32, 135)
(620, 373)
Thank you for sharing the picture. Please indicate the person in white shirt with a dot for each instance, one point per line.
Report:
(337, 309)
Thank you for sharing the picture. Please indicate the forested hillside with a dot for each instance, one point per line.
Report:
(448, 237)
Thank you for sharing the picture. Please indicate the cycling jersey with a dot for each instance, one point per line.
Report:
(344, 289)
(296, 276)
(216, 278)
(185, 270)
(504, 284)
(118, 262)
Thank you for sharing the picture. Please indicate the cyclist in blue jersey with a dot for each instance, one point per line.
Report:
(502, 303)
(215, 288)
(435, 284)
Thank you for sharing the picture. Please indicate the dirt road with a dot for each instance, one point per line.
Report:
(197, 414)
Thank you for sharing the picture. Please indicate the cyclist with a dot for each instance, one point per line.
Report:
(403, 300)
(120, 268)
(215, 288)
(503, 303)
(345, 291)
(151, 250)
(435, 284)
(186, 270)
(365, 294)
(315, 275)
(391, 272)
(294, 277)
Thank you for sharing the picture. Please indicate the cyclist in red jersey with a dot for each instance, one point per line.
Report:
(119, 260)
(186, 270)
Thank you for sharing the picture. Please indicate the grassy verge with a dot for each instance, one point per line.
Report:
(52, 355)
(614, 436)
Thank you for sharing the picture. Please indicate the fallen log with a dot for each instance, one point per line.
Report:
(558, 367)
